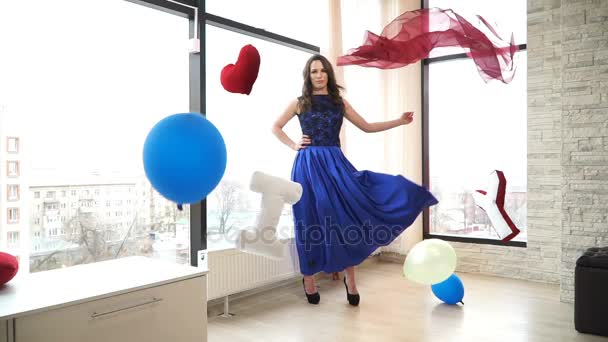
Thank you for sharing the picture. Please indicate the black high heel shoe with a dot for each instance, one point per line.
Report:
(314, 298)
(353, 299)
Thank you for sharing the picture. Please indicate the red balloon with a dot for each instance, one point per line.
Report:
(240, 77)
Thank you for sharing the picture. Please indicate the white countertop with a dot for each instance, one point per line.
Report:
(68, 286)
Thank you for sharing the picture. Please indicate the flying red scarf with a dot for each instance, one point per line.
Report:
(414, 34)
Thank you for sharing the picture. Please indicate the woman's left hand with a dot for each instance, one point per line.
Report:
(407, 117)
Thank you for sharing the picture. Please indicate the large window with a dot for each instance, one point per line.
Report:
(474, 128)
(95, 90)
(246, 120)
(245, 123)
(77, 106)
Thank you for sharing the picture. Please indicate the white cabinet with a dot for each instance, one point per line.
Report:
(163, 313)
(154, 301)
(3, 331)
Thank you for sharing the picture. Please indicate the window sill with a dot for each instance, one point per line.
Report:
(480, 241)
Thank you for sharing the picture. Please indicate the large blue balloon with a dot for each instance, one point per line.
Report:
(451, 290)
(184, 157)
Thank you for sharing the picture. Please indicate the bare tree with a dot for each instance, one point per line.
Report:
(440, 221)
(86, 237)
(227, 195)
(46, 262)
(86, 231)
(462, 199)
(86, 241)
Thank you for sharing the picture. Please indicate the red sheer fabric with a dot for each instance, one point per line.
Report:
(413, 35)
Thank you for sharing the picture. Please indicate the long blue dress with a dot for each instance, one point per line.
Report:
(344, 214)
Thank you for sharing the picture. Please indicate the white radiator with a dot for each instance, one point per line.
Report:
(232, 271)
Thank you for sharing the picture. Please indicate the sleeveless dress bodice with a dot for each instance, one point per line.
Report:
(322, 122)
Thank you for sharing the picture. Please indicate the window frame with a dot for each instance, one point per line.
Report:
(8, 169)
(425, 94)
(15, 243)
(8, 193)
(8, 150)
(15, 220)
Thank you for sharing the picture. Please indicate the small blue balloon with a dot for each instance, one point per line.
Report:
(184, 157)
(451, 290)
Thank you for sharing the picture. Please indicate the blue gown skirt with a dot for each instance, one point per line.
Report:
(344, 215)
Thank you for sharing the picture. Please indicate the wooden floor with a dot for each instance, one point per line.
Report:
(395, 309)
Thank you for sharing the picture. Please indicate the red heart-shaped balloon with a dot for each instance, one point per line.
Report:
(240, 77)
(8, 267)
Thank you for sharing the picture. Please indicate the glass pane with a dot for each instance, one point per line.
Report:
(475, 128)
(245, 123)
(301, 20)
(505, 16)
(81, 102)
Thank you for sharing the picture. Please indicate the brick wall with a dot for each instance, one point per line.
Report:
(584, 132)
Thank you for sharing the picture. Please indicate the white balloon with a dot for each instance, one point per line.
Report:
(430, 262)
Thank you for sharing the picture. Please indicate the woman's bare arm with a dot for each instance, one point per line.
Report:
(351, 114)
(277, 128)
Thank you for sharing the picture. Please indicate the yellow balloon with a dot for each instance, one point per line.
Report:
(430, 262)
